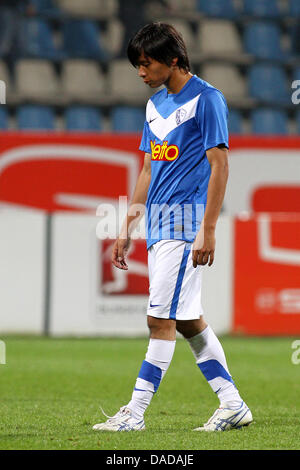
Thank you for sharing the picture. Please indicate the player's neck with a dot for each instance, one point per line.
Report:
(177, 81)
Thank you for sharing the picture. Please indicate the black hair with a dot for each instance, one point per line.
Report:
(161, 42)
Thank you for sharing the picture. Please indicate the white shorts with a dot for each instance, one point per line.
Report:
(175, 285)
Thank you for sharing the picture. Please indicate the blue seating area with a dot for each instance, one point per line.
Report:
(268, 83)
(81, 40)
(3, 118)
(35, 117)
(83, 118)
(267, 121)
(127, 119)
(235, 122)
(294, 8)
(298, 121)
(218, 8)
(36, 40)
(262, 8)
(46, 8)
(263, 40)
(79, 49)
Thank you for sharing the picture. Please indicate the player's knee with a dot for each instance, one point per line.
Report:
(184, 330)
(161, 328)
(190, 328)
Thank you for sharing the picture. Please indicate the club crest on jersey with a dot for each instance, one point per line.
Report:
(164, 152)
(180, 115)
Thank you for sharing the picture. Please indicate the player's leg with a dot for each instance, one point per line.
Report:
(165, 259)
(206, 347)
(158, 358)
(165, 275)
(210, 359)
(155, 365)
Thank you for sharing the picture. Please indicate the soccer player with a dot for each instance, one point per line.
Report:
(182, 183)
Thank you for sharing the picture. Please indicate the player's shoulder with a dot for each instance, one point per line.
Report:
(204, 92)
(209, 93)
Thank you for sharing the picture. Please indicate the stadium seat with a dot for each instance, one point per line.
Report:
(5, 76)
(34, 117)
(36, 80)
(177, 7)
(83, 118)
(298, 122)
(82, 40)
(294, 8)
(269, 121)
(3, 118)
(185, 29)
(219, 37)
(125, 84)
(113, 37)
(128, 119)
(182, 5)
(218, 8)
(36, 40)
(262, 8)
(296, 73)
(262, 39)
(82, 81)
(94, 9)
(235, 122)
(294, 36)
(226, 78)
(46, 8)
(269, 83)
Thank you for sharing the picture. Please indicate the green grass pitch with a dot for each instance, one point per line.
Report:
(51, 391)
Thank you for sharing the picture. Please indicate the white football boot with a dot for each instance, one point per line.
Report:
(121, 421)
(225, 418)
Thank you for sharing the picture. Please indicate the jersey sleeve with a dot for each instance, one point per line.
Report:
(211, 116)
(145, 141)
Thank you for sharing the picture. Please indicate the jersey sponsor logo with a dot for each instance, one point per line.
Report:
(164, 151)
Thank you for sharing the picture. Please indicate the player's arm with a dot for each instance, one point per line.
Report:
(204, 245)
(135, 213)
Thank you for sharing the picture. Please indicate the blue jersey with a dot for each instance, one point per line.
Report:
(178, 130)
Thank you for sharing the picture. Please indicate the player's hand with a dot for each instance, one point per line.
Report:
(204, 248)
(119, 253)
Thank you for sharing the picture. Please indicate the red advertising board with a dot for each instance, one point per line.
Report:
(267, 275)
(70, 172)
(132, 282)
(76, 172)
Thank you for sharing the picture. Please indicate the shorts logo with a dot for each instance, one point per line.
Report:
(164, 152)
(180, 115)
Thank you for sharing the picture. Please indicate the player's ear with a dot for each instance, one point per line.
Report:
(174, 62)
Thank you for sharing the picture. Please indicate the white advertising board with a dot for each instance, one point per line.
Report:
(89, 297)
(22, 270)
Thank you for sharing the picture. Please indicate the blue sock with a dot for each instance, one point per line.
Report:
(153, 369)
(210, 359)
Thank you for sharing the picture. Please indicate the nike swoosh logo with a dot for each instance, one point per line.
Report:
(154, 305)
(152, 120)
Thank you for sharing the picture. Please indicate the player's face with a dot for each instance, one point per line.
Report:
(152, 72)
